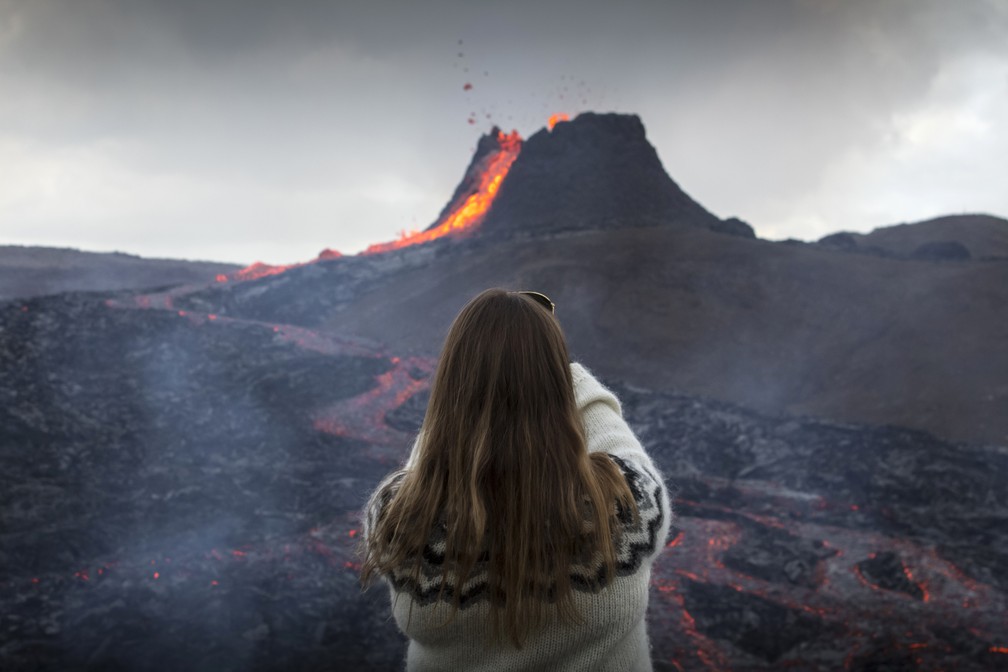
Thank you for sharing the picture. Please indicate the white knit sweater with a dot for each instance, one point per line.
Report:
(613, 635)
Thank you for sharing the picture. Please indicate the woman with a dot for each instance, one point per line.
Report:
(521, 532)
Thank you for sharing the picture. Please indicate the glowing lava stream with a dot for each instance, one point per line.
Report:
(465, 216)
(261, 270)
(363, 416)
(473, 209)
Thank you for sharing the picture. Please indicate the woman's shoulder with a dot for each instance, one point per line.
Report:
(643, 536)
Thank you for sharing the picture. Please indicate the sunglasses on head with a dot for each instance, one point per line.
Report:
(541, 299)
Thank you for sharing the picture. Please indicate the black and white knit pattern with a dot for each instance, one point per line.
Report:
(638, 542)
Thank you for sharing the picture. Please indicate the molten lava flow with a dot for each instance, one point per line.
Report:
(261, 270)
(329, 253)
(556, 119)
(363, 417)
(471, 211)
(493, 168)
(255, 271)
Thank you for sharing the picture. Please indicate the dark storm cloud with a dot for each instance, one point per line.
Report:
(348, 122)
(101, 43)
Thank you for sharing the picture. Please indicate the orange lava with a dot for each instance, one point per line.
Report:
(261, 270)
(556, 119)
(920, 584)
(465, 216)
(363, 416)
(329, 253)
(471, 211)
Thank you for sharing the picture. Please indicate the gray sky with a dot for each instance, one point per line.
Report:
(245, 130)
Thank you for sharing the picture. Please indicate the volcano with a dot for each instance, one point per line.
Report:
(184, 468)
(597, 172)
(663, 294)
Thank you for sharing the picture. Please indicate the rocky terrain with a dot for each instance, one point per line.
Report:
(192, 495)
(182, 470)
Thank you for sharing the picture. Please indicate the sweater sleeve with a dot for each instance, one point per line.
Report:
(607, 431)
(602, 415)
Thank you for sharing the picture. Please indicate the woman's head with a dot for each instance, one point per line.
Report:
(507, 338)
(504, 370)
(501, 462)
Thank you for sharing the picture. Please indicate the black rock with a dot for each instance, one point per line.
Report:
(597, 171)
(758, 626)
(407, 416)
(841, 240)
(733, 226)
(941, 250)
(777, 556)
(887, 571)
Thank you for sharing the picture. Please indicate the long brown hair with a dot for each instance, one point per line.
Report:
(501, 463)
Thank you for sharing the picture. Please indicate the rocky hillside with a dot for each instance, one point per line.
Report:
(772, 326)
(37, 271)
(955, 237)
